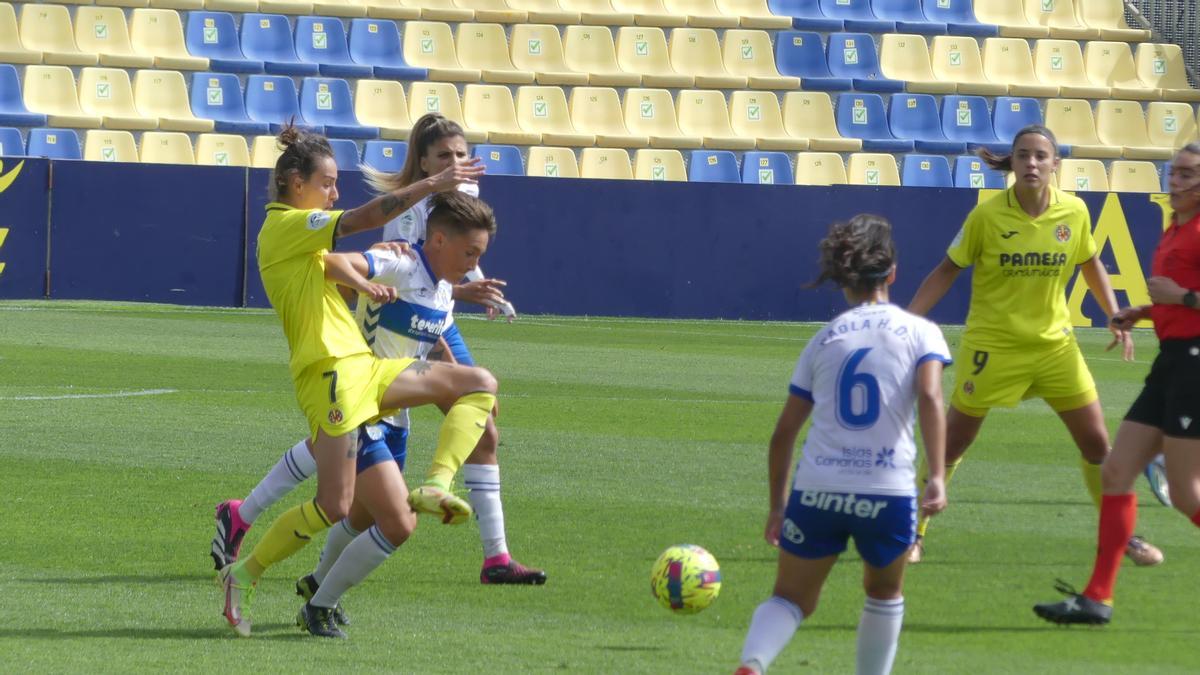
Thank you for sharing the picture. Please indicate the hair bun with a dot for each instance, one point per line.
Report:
(289, 136)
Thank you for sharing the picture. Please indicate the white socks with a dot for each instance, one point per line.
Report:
(878, 635)
(483, 483)
(366, 552)
(774, 623)
(296, 465)
(339, 537)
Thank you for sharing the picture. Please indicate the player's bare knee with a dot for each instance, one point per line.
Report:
(1116, 475)
(879, 589)
(480, 380)
(335, 507)
(397, 527)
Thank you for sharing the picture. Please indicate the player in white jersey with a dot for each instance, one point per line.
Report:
(862, 379)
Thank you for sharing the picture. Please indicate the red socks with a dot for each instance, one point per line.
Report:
(1118, 515)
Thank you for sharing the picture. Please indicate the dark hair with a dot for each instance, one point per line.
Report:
(301, 150)
(428, 130)
(1192, 148)
(858, 254)
(457, 213)
(1004, 162)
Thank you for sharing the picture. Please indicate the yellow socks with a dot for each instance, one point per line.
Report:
(1091, 478)
(460, 432)
(922, 478)
(290, 532)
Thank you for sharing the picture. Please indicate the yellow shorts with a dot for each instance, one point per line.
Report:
(990, 379)
(337, 395)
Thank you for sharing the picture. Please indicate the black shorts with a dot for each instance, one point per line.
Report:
(1170, 401)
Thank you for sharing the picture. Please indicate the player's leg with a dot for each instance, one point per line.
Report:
(798, 583)
(883, 537)
(961, 430)
(1183, 475)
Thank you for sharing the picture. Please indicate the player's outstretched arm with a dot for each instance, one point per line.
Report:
(933, 433)
(934, 287)
(350, 270)
(377, 212)
(779, 460)
(1098, 283)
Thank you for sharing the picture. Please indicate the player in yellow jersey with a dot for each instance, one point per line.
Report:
(339, 383)
(1024, 245)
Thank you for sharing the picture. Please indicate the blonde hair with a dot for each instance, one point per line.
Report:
(428, 130)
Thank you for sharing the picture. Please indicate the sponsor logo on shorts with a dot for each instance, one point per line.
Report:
(837, 502)
(968, 387)
(335, 416)
(791, 532)
(1185, 422)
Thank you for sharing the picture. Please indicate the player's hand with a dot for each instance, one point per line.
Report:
(504, 309)
(774, 526)
(486, 292)
(467, 171)
(379, 293)
(496, 410)
(398, 248)
(1126, 318)
(1164, 291)
(933, 500)
(1121, 336)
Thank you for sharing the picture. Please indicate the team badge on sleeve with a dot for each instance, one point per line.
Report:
(335, 416)
(1062, 233)
(317, 220)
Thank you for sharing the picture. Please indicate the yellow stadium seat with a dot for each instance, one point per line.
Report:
(103, 31)
(1109, 17)
(11, 49)
(1009, 15)
(1059, 17)
(376, 9)
(552, 163)
(748, 53)
(1129, 176)
(159, 33)
(297, 7)
(1083, 175)
(545, 11)
(756, 114)
(650, 13)
(50, 90)
(108, 93)
(489, 108)
(109, 146)
(1171, 125)
(643, 50)
(809, 115)
(611, 163)
(440, 10)
(350, 9)
(705, 113)
(598, 12)
(442, 98)
(123, 3)
(820, 168)
(697, 52)
(754, 14)
(163, 94)
(47, 28)
(1060, 62)
(265, 152)
(1110, 64)
(702, 13)
(590, 49)
(538, 49)
(1008, 61)
(429, 44)
(180, 5)
(1072, 122)
(956, 58)
(488, 11)
(236, 6)
(651, 113)
(597, 111)
(869, 168)
(166, 147)
(381, 103)
(222, 150)
(543, 110)
(659, 165)
(906, 58)
(1122, 124)
(1161, 66)
(483, 47)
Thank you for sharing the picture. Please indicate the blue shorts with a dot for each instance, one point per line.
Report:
(457, 347)
(817, 524)
(381, 442)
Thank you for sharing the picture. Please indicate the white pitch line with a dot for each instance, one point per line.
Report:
(115, 394)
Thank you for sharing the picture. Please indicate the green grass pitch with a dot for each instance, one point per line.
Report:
(619, 438)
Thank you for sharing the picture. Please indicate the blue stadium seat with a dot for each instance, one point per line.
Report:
(54, 144)
(925, 171)
(971, 172)
(218, 97)
(345, 153)
(856, 15)
(11, 144)
(959, 17)
(377, 43)
(767, 168)
(713, 166)
(915, 117)
(385, 155)
(268, 38)
(863, 116)
(853, 55)
(326, 102)
(1010, 114)
(273, 99)
(12, 105)
(322, 40)
(214, 36)
(966, 119)
(503, 160)
(908, 16)
(806, 15)
(801, 54)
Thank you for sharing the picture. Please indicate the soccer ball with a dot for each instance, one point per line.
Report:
(685, 579)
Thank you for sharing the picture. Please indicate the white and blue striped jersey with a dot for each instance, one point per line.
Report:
(409, 327)
(860, 371)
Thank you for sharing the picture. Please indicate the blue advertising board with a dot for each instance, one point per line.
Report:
(24, 201)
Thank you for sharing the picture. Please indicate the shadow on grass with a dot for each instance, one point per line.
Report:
(123, 579)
